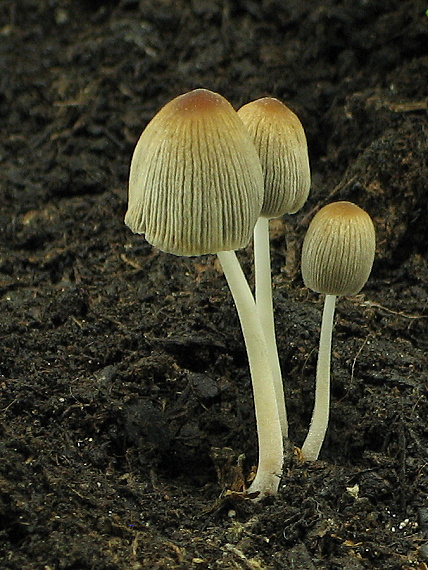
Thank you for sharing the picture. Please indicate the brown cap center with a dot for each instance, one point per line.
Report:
(198, 101)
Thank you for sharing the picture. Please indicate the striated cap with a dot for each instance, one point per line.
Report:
(196, 183)
(338, 250)
(281, 143)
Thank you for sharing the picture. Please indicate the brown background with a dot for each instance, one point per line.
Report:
(123, 368)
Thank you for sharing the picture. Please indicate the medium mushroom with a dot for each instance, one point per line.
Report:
(281, 144)
(337, 257)
(196, 187)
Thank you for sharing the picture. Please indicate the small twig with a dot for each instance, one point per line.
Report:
(340, 186)
(249, 564)
(130, 262)
(356, 356)
(9, 405)
(398, 313)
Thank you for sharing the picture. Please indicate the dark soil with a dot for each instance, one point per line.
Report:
(123, 374)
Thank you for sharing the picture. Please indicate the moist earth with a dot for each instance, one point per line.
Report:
(125, 399)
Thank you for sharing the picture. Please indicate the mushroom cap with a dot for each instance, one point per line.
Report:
(338, 249)
(281, 143)
(196, 183)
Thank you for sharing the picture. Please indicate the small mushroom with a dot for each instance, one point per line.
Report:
(281, 143)
(337, 257)
(196, 187)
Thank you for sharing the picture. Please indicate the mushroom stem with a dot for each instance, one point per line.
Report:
(320, 414)
(262, 266)
(269, 433)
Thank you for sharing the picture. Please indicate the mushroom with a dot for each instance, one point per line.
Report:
(281, 143)
(337, 257)
(196, 187)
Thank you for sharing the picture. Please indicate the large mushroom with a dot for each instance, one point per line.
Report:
(196, 187)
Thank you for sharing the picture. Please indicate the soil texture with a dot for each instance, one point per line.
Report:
(125, 397)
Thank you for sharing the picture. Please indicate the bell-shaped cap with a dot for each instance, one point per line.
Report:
(196, 183)
(338, 250)
(281, 143)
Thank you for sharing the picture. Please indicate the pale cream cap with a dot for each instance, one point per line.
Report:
(281, 143)
(196, 183)
(338, 250)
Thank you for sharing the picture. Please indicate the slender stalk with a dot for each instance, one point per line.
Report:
(269, 434)
(320, 414)
(262, 267)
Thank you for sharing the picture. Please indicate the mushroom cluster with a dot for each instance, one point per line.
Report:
(204, 179)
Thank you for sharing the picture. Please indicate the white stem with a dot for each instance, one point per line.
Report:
(320, 415)
(269, 434)
(262, 267)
